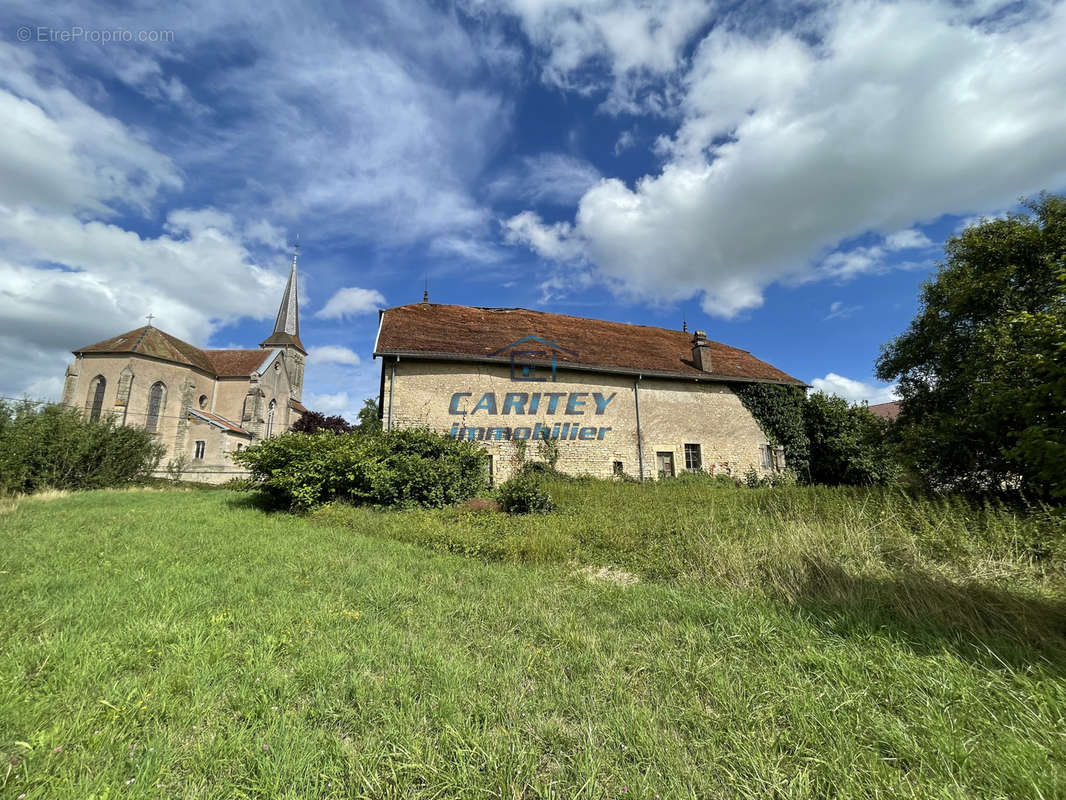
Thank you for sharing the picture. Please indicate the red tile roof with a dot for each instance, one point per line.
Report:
(430, 330)
(297, 405)
(151, 341)
(229, 363)
(888, 411)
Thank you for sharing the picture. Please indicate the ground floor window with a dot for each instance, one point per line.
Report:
(665, 462)
(618, 469)
(767, 456)
(693, 461)
(201, 448)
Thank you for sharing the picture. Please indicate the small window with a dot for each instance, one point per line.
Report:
(240, 446)
(201, 448)
(203, 402)
(665, 462)
(767, 455)
(693, 461)
(489, 472)
(618, 469)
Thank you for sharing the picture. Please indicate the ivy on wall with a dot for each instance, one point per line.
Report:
(779, 412)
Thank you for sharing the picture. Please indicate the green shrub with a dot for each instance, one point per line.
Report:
(404, 467)
(52, 446)
(525, 494)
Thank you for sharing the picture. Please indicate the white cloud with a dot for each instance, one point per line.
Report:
(548, 177)
(554, 241)
(838, 310)
(351, 301)
(854, 391)
(908, 239)
(333, 354)
(60, 154)
(637, 41)
(888, 115)
(329, 403)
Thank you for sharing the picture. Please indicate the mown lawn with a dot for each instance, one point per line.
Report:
(776, 644)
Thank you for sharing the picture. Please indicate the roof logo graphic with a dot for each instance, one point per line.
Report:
(523, 368)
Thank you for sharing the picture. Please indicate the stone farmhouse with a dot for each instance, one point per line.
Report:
(616, 398)
(202, 405)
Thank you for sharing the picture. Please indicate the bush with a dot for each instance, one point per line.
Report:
(404, 467)
(315, 421)
(53, 447)
(849, 445)
(525, 494)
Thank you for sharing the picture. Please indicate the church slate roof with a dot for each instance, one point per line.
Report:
(151, 341)
(443, 332)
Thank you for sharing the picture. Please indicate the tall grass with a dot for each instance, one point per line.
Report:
(975, 568)
(188, 644)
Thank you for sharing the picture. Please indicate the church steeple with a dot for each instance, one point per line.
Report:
(287, 323)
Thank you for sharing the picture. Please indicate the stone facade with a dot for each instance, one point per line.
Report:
(450, 397)
(202, 405)
(128, 381)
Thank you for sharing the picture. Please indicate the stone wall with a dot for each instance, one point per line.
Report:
(597, 412)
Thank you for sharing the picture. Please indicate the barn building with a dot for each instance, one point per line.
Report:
(616, 398)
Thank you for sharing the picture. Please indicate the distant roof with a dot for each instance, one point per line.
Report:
(886, 410)
(431, 330)
(297, 405)
(151, 341)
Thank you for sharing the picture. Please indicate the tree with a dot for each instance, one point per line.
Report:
(979, 368)
(315, 421)
(848, 444)
(369, 417)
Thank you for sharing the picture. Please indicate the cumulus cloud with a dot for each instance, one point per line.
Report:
(330, 403)
(637, 41)
(873, 118)
(351, 301)
(908, 239)
(333, 354)
(854, 391)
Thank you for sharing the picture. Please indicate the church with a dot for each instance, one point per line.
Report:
(202, 405)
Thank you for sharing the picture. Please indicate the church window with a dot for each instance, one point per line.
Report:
(203, 402)
(270, 417)
(96, 397)
(156, 400)
(201, 448)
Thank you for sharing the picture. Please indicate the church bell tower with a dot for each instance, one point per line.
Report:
(286, 335)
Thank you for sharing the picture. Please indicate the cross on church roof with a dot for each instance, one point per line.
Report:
(150, 317)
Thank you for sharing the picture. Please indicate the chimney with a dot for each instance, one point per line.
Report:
(701, 351)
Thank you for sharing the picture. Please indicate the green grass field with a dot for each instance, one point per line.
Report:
(644, 641)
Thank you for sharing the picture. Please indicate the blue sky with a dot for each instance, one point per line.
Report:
(782, 176)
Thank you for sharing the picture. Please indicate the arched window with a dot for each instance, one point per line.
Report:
(157, 399)
(270, 417)
(95, 400)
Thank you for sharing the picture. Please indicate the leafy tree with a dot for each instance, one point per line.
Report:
(315, 421)
(980, 367)
(848, 445)
(369, 416)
